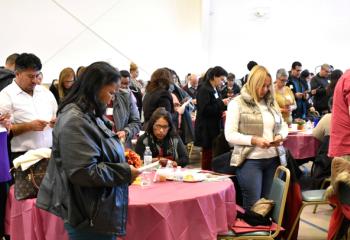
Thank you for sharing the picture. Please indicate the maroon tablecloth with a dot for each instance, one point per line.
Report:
(301, 145)
(171, 210)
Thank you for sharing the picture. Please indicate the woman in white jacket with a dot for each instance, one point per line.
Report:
(255, 127)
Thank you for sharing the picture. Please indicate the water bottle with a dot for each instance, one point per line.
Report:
(147, 156)
(169, 164)
(178, 174)
(146, 178)
(282, 155)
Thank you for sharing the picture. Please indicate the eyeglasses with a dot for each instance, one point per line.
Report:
(163, 127)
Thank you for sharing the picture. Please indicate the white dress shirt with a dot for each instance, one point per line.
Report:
(26, 108)
(234, 137)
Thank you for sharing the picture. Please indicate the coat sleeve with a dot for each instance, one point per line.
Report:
(140, 147)
(134, 124)
(182, 153)
(81, 155)
(208, 108)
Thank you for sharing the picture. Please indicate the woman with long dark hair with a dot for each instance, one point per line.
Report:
(209, 113)
(87, 178)
(158, 95)
(162, 139)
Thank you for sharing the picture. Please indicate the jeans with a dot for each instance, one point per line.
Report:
(82, 234)
(255, 179)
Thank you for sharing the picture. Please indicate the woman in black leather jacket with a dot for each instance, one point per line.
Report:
(87, 178)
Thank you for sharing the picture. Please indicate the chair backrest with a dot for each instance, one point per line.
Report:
(279, 191)
(344, 193)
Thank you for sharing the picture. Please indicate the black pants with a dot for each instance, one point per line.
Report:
(4, 187)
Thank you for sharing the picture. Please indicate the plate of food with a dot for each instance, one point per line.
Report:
(194, 177)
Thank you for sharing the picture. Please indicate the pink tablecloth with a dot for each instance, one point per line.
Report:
(170, 210)
(301, 145)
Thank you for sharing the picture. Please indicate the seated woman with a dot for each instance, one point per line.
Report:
(284, 96)
(162, 139)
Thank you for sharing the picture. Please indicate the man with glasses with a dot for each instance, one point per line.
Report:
(32, 107)
(319, 84)
(299, 88)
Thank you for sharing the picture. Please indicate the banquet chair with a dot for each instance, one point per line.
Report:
(310, 197)
(189, 149)
(325, 181)
(278, 194)
(344, 199)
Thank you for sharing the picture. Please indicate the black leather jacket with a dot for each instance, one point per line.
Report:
(86, 183)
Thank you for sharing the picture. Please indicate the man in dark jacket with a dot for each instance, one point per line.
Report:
(192, 86)
(7, 73)
(319, 84)
(231, 89)
(299, 88)
(244, 79)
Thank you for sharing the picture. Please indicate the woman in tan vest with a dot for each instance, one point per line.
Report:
(255, 127)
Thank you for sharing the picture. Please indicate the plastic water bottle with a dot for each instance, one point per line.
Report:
(282, 155)
(178, 174)
(146, 178)
(147, 156)
(169, 164)
(308, 125)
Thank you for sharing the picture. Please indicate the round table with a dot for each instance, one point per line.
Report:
(301, 144)
(177, 210)
(168, 210)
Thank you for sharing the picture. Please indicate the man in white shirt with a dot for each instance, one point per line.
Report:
(32, 107)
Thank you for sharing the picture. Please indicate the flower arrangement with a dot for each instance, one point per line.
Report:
(301, 123)
(133, 158)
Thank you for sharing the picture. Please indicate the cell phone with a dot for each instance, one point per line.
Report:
(185, 100)
(274, 142)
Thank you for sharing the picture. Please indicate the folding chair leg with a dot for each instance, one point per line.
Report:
(189, 149)
(296, 220)
(322, 187)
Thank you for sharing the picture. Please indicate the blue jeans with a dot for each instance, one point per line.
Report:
(81, 234)
(255, 179)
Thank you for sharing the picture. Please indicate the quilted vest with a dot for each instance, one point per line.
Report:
(251, 123)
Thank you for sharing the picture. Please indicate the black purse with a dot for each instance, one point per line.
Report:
(27, 182)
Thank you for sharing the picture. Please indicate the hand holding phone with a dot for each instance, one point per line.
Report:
(277, 141)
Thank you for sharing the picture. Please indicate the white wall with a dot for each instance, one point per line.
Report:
(312, 32)
(186, 35)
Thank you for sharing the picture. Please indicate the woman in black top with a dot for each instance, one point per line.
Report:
(210, 108)
(158, 95)
(162, 139)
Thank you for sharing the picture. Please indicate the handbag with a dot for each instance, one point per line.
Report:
(263, 206)
(253, 218)
(27, 182)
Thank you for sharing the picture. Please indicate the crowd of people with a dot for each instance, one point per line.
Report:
(89, 116)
